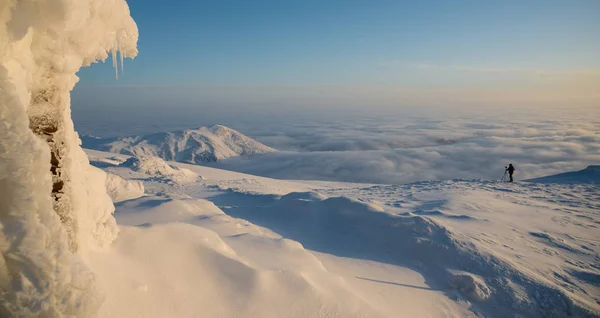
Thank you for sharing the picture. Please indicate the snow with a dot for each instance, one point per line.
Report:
(201, 145)
(591, 174)
(233, 244)
(53, 205)
(472, 286)
(515, 224)
(157, 168)
(120, 189)
(195, 241)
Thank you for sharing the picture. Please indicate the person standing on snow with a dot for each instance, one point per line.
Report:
(511, 169)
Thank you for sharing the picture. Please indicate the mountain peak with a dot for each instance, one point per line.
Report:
(204, 144)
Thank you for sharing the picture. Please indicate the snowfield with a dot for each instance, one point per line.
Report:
(228, 244)
(86, 234)
(204, 144)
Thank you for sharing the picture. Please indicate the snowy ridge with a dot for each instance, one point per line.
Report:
(591, 174)
(452, 248)
(204, 144)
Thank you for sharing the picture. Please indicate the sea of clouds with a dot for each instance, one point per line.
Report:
(424, 149)
(375, 145)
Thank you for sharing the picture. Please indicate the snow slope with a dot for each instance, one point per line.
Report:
(241, 245)
(120, 189)
(591, 174)
(191, 146)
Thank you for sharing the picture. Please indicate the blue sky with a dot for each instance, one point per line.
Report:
(354, 42)
(299, 55)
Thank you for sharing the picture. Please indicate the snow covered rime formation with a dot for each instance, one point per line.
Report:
(53, 204)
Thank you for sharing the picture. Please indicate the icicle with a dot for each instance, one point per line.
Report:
(121, 55)
(114, 58)
(122, 60)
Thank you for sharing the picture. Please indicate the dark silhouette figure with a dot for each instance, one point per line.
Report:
(511, 169)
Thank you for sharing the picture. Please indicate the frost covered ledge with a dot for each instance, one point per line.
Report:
(53, 204)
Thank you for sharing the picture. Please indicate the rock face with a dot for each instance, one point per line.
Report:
(205, 144)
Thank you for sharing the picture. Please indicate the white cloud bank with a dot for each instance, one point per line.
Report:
(423, 149)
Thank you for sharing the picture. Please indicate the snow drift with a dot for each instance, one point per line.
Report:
(53, 205)
(120, 189)
(357, 229)
(456, 248)
(205, 144)
(213, 265)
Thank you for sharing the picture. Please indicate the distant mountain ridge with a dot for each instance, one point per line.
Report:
(591, 174)
(204, 144)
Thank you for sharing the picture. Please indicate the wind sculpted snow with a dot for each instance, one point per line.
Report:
(53, 204)
(445, 249)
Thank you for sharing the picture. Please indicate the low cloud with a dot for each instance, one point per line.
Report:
(445, 149)
(384, 145)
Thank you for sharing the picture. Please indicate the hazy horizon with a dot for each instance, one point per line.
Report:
(364, 91)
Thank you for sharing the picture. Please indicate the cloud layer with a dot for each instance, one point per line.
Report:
(423, 149)
(384, 145)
